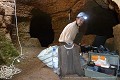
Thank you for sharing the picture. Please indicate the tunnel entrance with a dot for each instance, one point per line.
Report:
(41, 27)
(100, 22)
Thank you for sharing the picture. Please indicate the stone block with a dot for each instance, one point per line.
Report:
(24, 35)
(87, 39)
(7, 19)
(24, 26)
(110, 44)
(27, 41)
(31, 42)
(3, 30)
(1, 18)
(116, 33)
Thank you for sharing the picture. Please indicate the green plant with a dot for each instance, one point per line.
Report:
(7, 51)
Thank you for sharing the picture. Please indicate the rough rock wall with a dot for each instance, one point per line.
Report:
(116, 32)
(87, 39)
(117, 2)
(110, 44)
(6, 12)
(8, 23)
(55, 6)
(23, 10)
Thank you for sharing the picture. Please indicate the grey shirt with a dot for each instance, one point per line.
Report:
(69, 60)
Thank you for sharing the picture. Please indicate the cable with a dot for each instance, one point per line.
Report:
(21, 50)
(17, 30)
(6, 72)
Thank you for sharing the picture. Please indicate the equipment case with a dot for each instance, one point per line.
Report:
(112, 59)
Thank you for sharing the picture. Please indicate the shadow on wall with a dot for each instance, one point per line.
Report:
(41, 27)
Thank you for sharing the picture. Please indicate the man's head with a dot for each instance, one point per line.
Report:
(81, 17)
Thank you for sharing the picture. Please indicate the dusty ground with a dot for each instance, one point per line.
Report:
(34, 69)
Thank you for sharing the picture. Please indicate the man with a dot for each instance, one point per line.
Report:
(68, 54)
(69, 33)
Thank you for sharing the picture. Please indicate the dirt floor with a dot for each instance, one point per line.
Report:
(33, 69)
